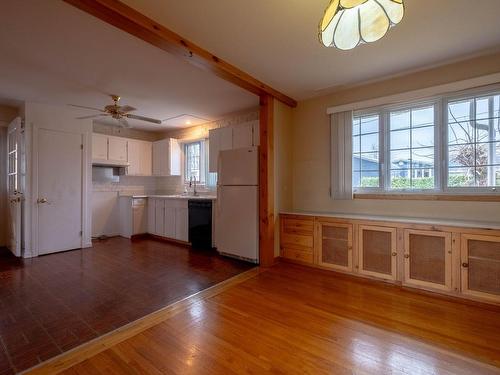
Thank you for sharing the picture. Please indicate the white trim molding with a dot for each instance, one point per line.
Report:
(428, 92)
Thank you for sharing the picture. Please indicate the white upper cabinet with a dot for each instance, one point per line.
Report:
(117, 149)
(229, 138)
(243, 135)
(140, 157)
(99, 147)
(166, 157)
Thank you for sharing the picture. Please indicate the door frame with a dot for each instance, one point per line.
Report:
(85, 168)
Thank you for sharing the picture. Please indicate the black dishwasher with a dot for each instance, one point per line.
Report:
(200, 223)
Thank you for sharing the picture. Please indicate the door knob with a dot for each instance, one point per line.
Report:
(394, 254)
(407, 256)
(42, 200)
(465, 265)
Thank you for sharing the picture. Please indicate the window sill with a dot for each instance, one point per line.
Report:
(432, 197)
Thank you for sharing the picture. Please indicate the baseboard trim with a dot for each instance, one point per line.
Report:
(85, 351)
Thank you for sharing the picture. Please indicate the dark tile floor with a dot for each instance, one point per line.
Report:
(54, 303)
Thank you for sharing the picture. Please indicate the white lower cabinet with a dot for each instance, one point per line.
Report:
(169, 218)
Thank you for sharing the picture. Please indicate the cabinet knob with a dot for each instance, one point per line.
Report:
(407, 256)
(465, 265)
(394, 254)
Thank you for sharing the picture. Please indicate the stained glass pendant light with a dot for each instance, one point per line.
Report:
(348, 23)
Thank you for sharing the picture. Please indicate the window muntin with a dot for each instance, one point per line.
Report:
(366, 152)
(411, 148)
(473, 142)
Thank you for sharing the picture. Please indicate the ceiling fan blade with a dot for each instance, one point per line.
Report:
(84, 107)
(127, 108)
(91, 116)
(142, 118)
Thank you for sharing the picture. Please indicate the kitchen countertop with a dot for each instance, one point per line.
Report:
(411, 220)
(173, 196)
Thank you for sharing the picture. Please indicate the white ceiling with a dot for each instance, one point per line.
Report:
(276, 41)
(52, 52)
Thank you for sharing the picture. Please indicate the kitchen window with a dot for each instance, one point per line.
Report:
(449, 144)
(196, 163)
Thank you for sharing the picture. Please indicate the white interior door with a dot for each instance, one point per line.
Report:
(59, 191)
(15, 189)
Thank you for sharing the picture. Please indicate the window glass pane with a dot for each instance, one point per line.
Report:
(473, 148)
(412, 149)
(422, 117)
(400, 120)
(400, 159)
(366, 158)
(369, 142)
(370, 179)
(422, 137)
(400, 139)
(193, 161)
(369, 124)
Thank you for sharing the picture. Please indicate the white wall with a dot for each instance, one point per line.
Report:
(44, 116)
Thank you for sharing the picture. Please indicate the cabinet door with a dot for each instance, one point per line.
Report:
(161, 158)
(427, 259)
(117, 149)
(377, 251)
(152, 215)
(134, 157)
(213, 149)
(169, 218)
(146, 162)
(335, 246)
(243, 135)
(139, 218)
(160, 217)
(99, 147)
(480, 256)
(175, 157)
(182, 224)
(226, 138)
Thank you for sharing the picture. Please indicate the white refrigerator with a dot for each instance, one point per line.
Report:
(237, 208)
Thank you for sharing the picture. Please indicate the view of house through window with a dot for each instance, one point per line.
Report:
(442, 145)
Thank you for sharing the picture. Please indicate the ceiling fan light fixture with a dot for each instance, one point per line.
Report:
(348, 23)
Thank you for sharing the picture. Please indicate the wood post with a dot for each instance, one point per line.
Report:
(266, 181)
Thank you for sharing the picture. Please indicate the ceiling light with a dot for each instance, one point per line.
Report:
(349, 23)
(188, 122)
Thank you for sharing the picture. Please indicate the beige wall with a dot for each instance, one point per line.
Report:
(311, 148)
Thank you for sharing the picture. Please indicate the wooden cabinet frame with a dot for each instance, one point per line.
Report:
(393, 251)
(349, 227)
(448, 260)
(464, 269)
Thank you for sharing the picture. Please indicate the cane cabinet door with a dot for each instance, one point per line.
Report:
(427, 259)
(377, 251)
(335, 246)
(480, 266)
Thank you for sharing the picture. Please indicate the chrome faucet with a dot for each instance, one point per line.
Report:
(192, 183)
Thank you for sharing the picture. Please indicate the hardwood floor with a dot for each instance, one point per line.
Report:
(54, 303)
(296, 320)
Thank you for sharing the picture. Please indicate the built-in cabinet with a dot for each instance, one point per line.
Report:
(161, 158)
(166, 157)
(168, 218)
(140, 158)
(457, 261)
(133, 216)
(231, 137)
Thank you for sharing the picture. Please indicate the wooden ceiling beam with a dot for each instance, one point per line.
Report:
(133, 22)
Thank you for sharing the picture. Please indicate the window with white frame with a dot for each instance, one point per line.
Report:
(193, 162)
(196, 163)
(443, 145)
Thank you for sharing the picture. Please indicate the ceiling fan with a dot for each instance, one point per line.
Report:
(118, 112)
